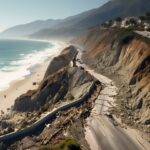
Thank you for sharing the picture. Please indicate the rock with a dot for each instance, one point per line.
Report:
(10, 129)
(4, 124)
(27, 143)
(59, 80)
(34, 83)
(147, 122)
(138, 104)
(63, 60)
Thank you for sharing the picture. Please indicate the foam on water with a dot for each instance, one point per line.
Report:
(18, 70)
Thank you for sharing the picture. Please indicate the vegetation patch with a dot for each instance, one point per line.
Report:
(126, 35)
(67, 144)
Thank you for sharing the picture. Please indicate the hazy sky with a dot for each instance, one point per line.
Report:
(13, 12)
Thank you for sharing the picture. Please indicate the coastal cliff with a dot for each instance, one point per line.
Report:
(124, 56)
(59, 81)
(56, 111)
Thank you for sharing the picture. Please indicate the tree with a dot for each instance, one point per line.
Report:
(148, 14)
(133, 21)
(118, 19)
(110, 22)
(142, 18)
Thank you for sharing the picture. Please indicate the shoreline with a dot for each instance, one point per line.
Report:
(21, 86)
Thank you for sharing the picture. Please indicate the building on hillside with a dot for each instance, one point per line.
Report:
(130, 22)
(116, 24)
(146, 26)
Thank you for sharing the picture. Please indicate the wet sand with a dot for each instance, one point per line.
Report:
(17, 88)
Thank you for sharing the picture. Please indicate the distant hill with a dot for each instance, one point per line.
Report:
(29, 28)
(1, 28)
(76, 24)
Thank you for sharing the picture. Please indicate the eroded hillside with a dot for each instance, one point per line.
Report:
(54, 114)
(124, 56)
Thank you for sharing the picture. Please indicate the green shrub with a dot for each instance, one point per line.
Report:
(126, 35)
(68, 144)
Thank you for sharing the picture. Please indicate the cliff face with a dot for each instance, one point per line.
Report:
(59, 84)
(61, 104)
(125, 57)
(67, 56)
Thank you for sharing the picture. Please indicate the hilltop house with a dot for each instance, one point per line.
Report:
(134, 22)
(147, 26)
(116, 24)
(130, 22)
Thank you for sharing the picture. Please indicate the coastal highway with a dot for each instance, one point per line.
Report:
(41, 123)
(101, 132)
(144, 33)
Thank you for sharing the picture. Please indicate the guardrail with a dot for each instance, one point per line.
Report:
(38, 126)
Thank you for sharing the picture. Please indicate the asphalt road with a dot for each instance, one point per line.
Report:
(108, 136)
(101, 133)
(143, 33)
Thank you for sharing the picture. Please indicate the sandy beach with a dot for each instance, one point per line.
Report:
(19, 87)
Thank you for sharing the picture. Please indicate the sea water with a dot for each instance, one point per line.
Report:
(17, 57)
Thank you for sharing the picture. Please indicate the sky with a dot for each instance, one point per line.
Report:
(14, 12)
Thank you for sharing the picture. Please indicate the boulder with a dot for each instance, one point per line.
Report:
(61, 61)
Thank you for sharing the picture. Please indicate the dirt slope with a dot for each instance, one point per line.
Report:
(125, 57)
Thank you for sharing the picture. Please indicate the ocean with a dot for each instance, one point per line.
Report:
(18, 57)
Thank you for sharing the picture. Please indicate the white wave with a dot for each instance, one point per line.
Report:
(22, 54)
(7, 78)
(18, 70)
(9, 68)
